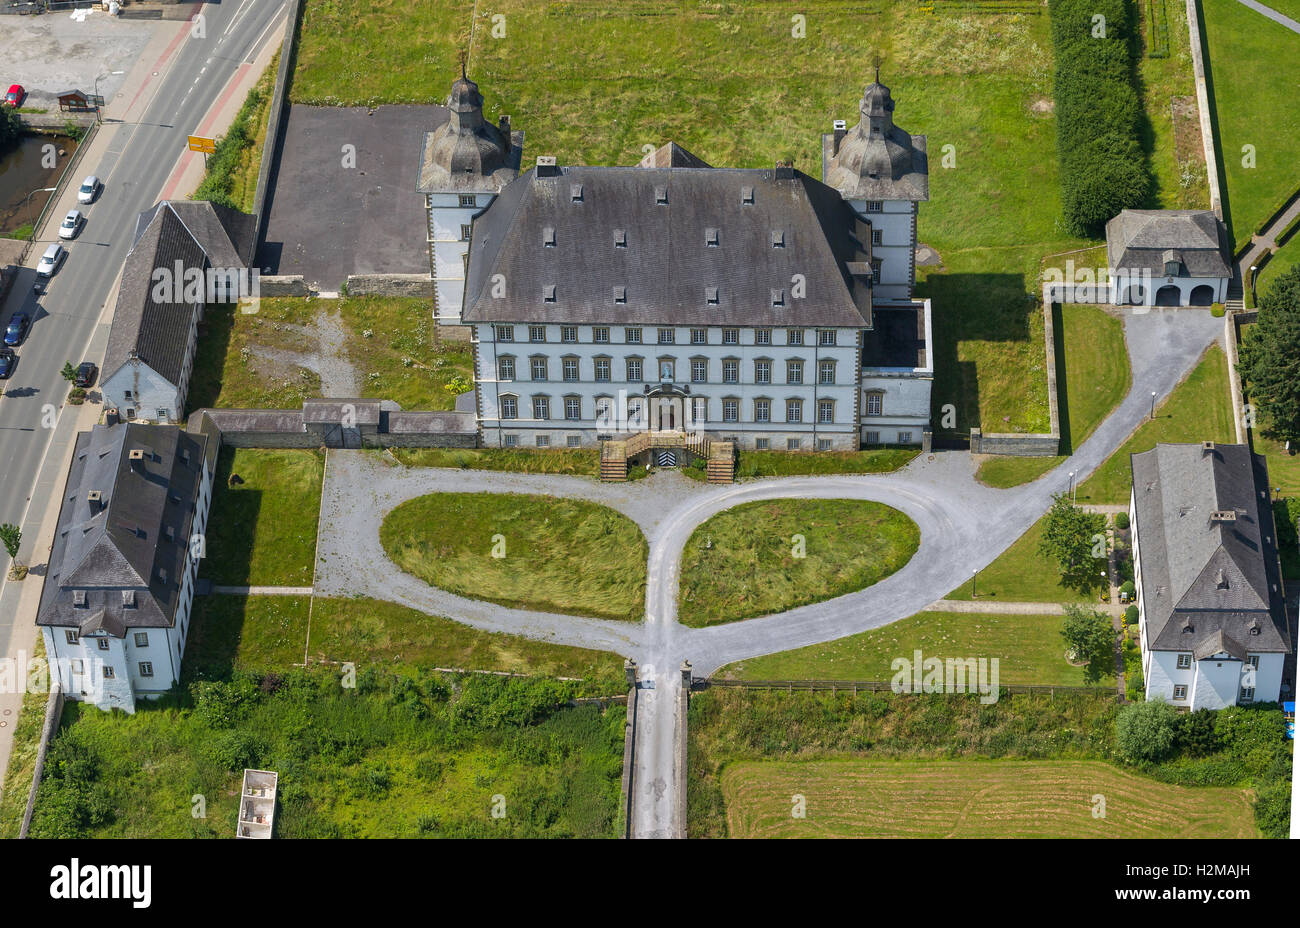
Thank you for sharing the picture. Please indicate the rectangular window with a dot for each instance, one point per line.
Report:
(633, 370)
(793, 444)
(103, 644)
(602, 370)
(511, 441)
(875, 270)
(505, 369)
(142, 639)
(109, 673)
(826, 337)
(602, 411)
(731, 371)
(731, 410)
(537, 333)
(569, 334)
(731, 336)
(794, 410)
(1252, 660)
(573, 441)
(761, 444)
(632, 336)
(825, 411)
(509, 407)
(762, 410)
(1184, 661)
(464, 232)
(1247, 694)
(570, 369)
(877, 237)
(875, 206)
(467, 199)
(1180, 692)
(904, 438)
(543, 441)
(823, 444)
(875, 403)
(762, 372)
(538, 368)
(667, 336)
(600, 335)
(572, 407)
(762, 336)
(699, 370)
(700, 409)
(504, 333)
(699, 337)
(826, 372)
(794, 336)
(873, 438)
(71, 636)
(541, 407)
(794, 372)
(146, 668)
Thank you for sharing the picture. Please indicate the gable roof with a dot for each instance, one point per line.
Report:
(560, 230)
(121, 543)
(1142, 239)
(226, 235)
(1207, 550)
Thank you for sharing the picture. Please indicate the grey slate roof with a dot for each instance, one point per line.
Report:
(465, 153)
(1218, 577)
(667, 268)
(672, 155)
(877, 160)
(120, 545)
(1139, 239)
(226, 235)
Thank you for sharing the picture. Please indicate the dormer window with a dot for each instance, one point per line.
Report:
(79, 599)
(778, 238)
(661, 195)
(548, 293)
(575, 192)
(747, 195)
(620, 238)
(778, 297)
(548, 237)
(128, 599)
(711, 237)
(620, 294)
(711, 295)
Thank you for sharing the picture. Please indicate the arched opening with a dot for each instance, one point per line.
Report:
(1202, 295)
(1135, 295)
(1169, 295)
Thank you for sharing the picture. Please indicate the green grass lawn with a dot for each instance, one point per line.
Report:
(22, 756)
(405, 755)
(262, 634)
(1199, 409)
(1029, 649)
(1090, 348)
(797, 463)
(371, 631)
(581, 462)
(1285, 258)
(262, 532)
(1245, 49)
(1021, 574)
(227, 372)
(555, 555)
(1172, 135)
(743, 562)
(232, 174)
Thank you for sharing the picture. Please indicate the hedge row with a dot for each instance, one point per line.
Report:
(1098, 113)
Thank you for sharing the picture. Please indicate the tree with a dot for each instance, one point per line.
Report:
(1144, 731)
(11, 128)
(1090, 638)
(1270, 359)
(69, 373)
(12, 536)
(1075, 539)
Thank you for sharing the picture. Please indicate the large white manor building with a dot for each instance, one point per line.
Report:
(762, 306)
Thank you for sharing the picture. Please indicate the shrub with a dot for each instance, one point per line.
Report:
(1144, 731)
(1197, 734)
(1128, 589)
(1273, 809)
(1131, 615)
(1121, 520)
(1098, 113)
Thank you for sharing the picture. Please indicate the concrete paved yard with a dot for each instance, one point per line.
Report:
(327, 221)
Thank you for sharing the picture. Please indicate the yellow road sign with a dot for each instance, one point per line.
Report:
(199, 143)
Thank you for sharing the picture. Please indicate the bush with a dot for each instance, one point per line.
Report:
(1121, 520)
(1273, 809)
(11, 128)
(1145, 731)
(1128, 589)
(1131, 615)
(1197, 734)
(1098, 113)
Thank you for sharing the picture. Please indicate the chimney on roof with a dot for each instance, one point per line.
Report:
(96, 500)
(784, 171)
(1222, 516)
(136, 458)
(546, 166)
(1207, 447)
(504, 123)
(841, 130)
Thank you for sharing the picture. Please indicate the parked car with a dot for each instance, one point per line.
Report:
(51, 260)
(8, 361)
(89, 189)
(71, 224)
(16, 331)
(15, 96)
(85, 374)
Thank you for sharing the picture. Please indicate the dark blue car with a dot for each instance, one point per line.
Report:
(17, 329)
(7, 362)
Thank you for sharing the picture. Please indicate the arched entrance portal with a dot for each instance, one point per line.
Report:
(667, 405)
(1135, 295)
(1202, 295)
(1169, 295)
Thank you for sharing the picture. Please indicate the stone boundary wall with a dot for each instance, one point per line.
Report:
(275, 125)
(629, 750)
(420, 285)
(282, 285)
(56, 120)
(53, 712)
(1034, 445)
(289, 428)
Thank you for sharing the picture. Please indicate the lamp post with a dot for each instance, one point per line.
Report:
(1253, 269)
(30, 218)
(974, 575)
(1153, 404)
(99, 108)
(1071, 488)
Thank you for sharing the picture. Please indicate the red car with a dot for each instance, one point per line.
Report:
(15, 95)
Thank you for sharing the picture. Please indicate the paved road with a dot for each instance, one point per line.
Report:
(135, 167)
(964, 525)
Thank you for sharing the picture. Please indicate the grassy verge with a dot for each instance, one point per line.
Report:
(395, 756)
(1199, 409)
(370, 631)
(972, 799)
(1029, 650)
(22, 757)
(262, 532)
(528, 552)
(1175, 152)
(1091, 352)
(1020, 574)
(232, 169)
(770, 556)
(390, 343)
(231, 369)
(795, 463)
(262, 634)
(582, 462)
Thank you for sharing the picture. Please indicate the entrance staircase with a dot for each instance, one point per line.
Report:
(719, 456)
